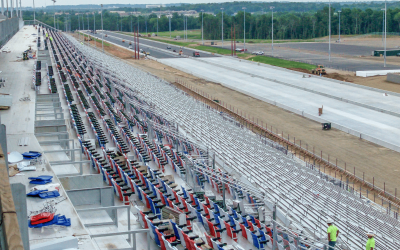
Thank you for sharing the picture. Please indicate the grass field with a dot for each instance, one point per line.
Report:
(214, 50)
(282, 63)
(261, 59)
(192, 34)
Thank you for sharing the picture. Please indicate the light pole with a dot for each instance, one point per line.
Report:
(79, 26)
(138, 24)
(94, 28)
(383, 24)
(184, 27)
(244, 29)
(131, 24)
(157, 20)
(384, 56)
(87, 17)
(222, 33)
(54, 1)
(329, 30)
(272, 28)
(202, 37)
(34, 13)
(102, 30)
(169, 17)
(339, 11)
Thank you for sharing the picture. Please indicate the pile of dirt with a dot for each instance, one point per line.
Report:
(339, 77)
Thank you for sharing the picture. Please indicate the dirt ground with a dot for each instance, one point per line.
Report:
(373, 160)
(367, 159)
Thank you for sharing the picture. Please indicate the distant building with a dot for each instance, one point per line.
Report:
(117, 11)
(169, 13)
(151, 6)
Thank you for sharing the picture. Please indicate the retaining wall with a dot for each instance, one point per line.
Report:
(394, 78)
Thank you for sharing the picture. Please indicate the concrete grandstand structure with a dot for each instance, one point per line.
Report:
(193, 177)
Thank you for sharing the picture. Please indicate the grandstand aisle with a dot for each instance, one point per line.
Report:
(140, 114)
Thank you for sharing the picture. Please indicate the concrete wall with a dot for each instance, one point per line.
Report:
(395, 78)
(8, 27)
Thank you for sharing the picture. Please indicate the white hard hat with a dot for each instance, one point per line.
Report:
(370, 233)
(329, 221)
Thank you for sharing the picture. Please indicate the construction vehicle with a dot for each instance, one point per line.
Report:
(180, 52)
(320, 70)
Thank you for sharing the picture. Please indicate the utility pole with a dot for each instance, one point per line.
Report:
(272, 28)
(244, 29)
(202, 30)
(222, 33)
(102, 30)
(339, 11)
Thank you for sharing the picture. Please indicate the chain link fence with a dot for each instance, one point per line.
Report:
(8, 28)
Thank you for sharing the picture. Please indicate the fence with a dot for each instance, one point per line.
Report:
(320, 160)
(8, 28)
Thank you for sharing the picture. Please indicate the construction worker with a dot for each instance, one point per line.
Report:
(333, 233)
(371, 241)
(51, 38)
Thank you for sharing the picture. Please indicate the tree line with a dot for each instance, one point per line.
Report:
(287, 25)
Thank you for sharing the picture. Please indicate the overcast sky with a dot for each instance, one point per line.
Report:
(40, 3)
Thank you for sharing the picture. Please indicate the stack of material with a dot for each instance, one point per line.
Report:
(5, 101)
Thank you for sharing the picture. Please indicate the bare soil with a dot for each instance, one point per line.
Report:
(351, 152)
(365, 158)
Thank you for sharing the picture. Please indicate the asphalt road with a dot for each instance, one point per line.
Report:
(156, 49)
(320, 55)
(153, 52)
(336, 48)
(159, 50)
